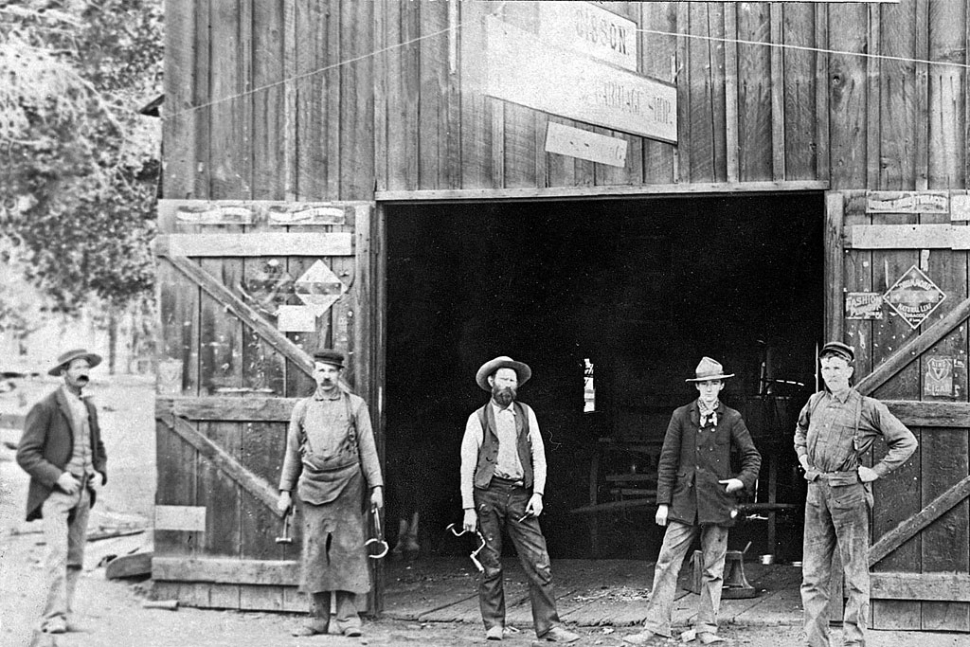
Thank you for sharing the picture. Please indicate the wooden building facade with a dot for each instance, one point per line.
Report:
(355, 158)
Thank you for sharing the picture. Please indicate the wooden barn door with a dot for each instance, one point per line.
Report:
(898, 271)
(246, 292)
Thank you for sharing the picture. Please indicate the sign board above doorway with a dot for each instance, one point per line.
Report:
(523, 70)
(585, 28)
(575, 142)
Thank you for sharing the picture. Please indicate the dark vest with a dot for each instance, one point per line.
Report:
(488, 452)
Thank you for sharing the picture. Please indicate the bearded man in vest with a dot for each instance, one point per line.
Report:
(503, 477)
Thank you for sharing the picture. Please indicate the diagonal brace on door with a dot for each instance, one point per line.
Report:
(915, 347)
(246, 314)
(908, 529)
(222, 460)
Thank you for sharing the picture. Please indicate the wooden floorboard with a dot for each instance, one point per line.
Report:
(588, 593)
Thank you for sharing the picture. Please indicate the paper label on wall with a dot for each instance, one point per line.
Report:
(296, 319)
(960, 208)
(575, 142)
(907, 202)
(319, 288)
(169, 378)
(863, 305)
(938, 380)
(914, 296)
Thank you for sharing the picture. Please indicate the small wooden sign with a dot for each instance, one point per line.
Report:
(180, 517)
(587, 29)
(863, 305)
(575, 142)
(907, 202)
(523, 70)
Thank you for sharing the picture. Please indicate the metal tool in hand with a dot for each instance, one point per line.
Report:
(380, 536)
(474, 555)
(285, 539)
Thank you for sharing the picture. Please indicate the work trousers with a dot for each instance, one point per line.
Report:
(836, 516)
(65, 523)
(677, 541)
(500, 508)
(345, 607)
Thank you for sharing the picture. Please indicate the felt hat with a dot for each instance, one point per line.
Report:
(66, 358)
(838, 349)
(707, 370)
(329, 356)
(503, 361)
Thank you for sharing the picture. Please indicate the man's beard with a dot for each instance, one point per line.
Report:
(503, 395)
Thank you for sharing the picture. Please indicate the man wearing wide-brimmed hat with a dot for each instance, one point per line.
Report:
(835, 428)
(62, 451)
(697, 495)
(330, 458)
(503, 479)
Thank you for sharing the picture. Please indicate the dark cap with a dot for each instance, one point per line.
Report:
(329, 356)
(838, 349)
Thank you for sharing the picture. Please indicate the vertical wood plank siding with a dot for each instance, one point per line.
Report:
(303, 121)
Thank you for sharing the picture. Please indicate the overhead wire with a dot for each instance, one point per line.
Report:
(458, 26)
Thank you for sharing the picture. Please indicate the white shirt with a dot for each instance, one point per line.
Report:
(471, 442)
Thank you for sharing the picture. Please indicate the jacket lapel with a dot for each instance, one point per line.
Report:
(695, 415)
(66, 410)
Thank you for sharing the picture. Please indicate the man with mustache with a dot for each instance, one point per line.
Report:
(330, 454)
(503, 477)
(62, 451)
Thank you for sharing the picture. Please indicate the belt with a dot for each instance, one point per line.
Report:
(501, 480)
(840, 478)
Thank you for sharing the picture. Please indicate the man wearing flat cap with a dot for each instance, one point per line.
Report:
(697, 495)
(835, 428)
(330, 457)
(62, 451)
(503, 478)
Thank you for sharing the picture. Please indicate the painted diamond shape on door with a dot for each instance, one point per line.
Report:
(914, 296)
(319, 288)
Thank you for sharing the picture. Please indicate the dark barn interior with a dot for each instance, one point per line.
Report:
(612, 303)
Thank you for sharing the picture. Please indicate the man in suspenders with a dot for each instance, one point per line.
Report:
(330, 458)
(834, 429)
(503, 477)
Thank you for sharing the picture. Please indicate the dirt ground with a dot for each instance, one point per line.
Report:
(110, 613)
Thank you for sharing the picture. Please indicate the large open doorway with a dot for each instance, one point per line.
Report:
(612, 303)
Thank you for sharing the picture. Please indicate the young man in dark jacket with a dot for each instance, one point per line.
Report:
(697, 494)
(62, 451)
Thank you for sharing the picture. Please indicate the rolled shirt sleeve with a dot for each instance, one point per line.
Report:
(471, 442)
(538, 454)
(292, 462)
(366, 446)
(901, 441)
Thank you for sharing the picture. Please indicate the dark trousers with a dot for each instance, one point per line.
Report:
(500, 507)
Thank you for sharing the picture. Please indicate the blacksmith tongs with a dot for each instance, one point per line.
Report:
(380, 535)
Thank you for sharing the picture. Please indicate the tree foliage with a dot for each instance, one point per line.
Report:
(79, 166)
